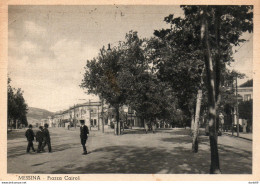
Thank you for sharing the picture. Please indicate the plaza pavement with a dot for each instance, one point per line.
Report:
(168, 151)
(247, 136)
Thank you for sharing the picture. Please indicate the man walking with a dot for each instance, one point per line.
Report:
(46, 138)
(29, 134)
(84, 136)
(39, 139)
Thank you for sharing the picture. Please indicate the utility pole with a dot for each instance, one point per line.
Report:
(102, 115)
(126, 118)
(98, 117)
(232, 110)
(237, 115)
(74, 116)
(89, 116)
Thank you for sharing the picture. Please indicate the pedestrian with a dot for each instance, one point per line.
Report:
(46, 138)
(84, 136)
(146, 126)
(39, 139)
(29, 134)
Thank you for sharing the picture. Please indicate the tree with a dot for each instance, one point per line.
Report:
(17, 107)
(148, 96)
(11, 103)
(124, 77)
(105, 77)
(178, 58)
(22, 107)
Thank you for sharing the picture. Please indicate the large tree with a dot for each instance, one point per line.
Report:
(178, 59)
(148, 96)
(105, 77)
(17, 107)
(124, 76)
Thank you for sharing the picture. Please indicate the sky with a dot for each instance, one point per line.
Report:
(48, 46)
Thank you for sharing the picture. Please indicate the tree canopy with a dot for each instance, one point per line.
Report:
(17, 107)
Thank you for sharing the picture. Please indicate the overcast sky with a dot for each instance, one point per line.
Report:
(49, 46)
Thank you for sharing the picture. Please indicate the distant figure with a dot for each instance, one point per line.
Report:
(29, 134)
(46, 138)
(153, 126)
(39, 139)
(84, 136)
(146, 127)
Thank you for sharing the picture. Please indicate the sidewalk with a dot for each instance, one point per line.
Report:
(247, 136)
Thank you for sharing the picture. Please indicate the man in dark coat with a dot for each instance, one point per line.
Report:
(84, 136)
(46, 138)
(39, 139)
(29, 134)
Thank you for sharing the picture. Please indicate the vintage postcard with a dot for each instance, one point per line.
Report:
(129, 90)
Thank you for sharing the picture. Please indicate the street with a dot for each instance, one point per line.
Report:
(168, 151)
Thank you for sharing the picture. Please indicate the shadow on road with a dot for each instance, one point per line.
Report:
(180, 160)
(186, 139)
(21, 150)
(126, 159)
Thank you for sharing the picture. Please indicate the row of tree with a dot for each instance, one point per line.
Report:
(17, 108)
(165, 77)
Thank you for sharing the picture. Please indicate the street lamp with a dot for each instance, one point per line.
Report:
(236, 109)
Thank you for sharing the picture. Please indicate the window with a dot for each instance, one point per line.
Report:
(94, 111)
(247, 97)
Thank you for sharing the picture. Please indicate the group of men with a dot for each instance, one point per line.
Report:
(43, 138)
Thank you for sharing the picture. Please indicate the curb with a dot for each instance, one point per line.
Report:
(236, 136)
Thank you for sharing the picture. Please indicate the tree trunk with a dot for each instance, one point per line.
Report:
(117, 122)
(195, 142)
(214, 168)
(192, 123)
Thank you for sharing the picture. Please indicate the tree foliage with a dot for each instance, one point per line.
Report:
(17, 107)
(245, 109)
(124, 76)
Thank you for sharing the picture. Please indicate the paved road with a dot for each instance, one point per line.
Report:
(167, 151)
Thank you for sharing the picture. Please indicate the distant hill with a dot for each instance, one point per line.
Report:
(35, 115)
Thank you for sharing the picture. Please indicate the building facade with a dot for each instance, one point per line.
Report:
(89, 113)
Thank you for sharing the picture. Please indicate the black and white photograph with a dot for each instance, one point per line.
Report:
(130, 89)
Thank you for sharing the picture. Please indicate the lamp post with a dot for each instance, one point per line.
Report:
(102, 115)
(74, 116)
(236, 108)
(98, 118)
(125, 111)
